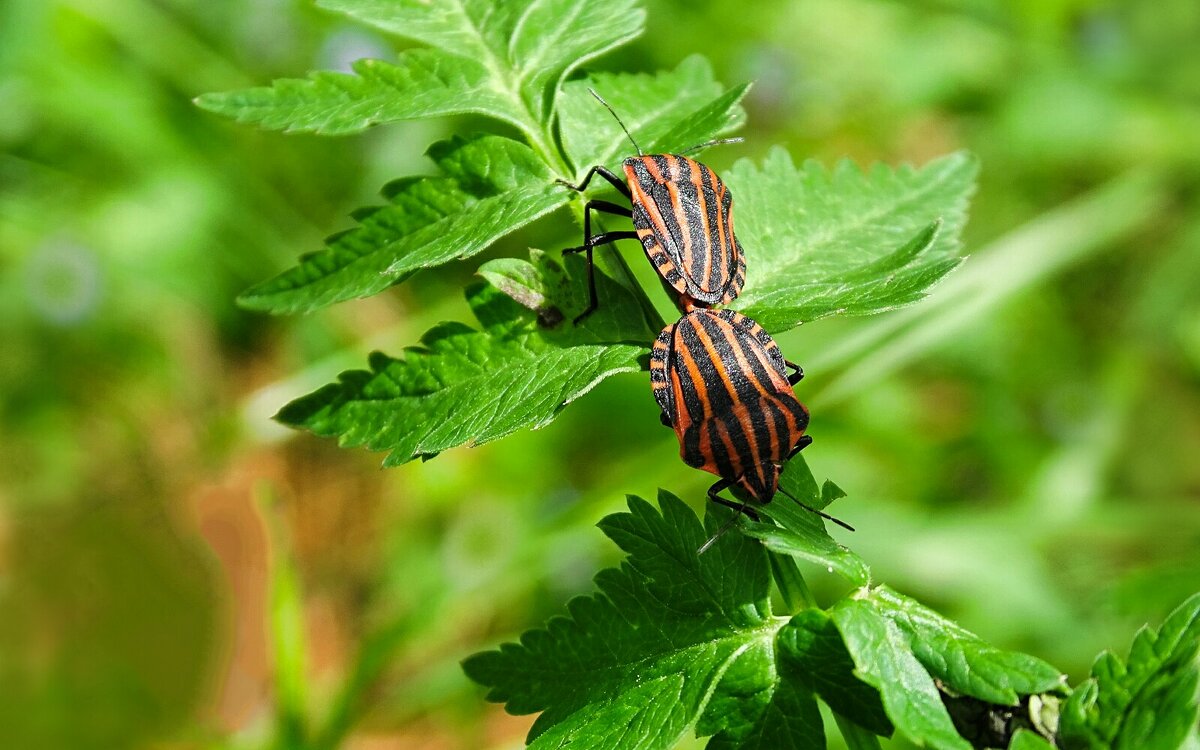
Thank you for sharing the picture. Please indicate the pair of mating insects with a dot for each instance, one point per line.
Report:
(719, 378)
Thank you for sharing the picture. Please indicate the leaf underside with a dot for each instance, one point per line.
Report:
(798, 532)
(883, 660)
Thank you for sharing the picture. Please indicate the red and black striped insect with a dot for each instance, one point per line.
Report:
(683, 215)
(724, 387)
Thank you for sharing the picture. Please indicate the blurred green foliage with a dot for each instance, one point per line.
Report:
(1019, 450)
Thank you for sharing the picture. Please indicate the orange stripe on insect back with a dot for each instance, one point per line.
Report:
(698, 171)
(735, 456)
(652, 167)
(726, 252)
(683, 353)
(734, 397)
(724, 233)
(782, 386)
(681, 219)
(655, 216)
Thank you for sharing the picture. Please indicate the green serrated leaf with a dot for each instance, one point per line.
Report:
(635, 664)
(527, 47)
(790, 720)
(470, 386)
(845, 241)
(882, 658)
(960, 659)
(812, 647)
(491, 186)
(667, 111)
(1150, 700)
(744, 692)
(800, 532)
(721, 115)
(544, 287)
(420, 83)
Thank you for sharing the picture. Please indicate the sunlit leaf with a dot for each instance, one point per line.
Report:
(527, 46)
(666, 111)
(469, 386)
(490, 187)
(813, 646)
(1148, 700)
(801, 533)
(420, 83)
(882, 658)
(845, 241)
(963, 661)
(632, 666)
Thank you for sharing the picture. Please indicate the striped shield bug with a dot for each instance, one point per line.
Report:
(682, 214)
(723, 386)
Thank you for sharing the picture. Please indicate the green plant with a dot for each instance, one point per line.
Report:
(672, 642)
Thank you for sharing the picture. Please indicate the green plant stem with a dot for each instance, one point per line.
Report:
(796, 596)
(374, 658)
(856, 737)
(287, 629)
(792, 588)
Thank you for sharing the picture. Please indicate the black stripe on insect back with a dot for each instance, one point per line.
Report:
(696, 250)
(660, 380)
(664, 206)
(718, 261)
(699, 380)
(716, 432)
(752, 390)
(749, 404)
(680, 214)
(735, 349)
(755, 331)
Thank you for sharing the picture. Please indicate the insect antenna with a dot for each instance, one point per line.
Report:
(820, 513)
(714, 142)
(613, 112)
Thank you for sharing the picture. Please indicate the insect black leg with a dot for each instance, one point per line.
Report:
(739, 507)
(604, 172)
(606, 207)
(721, 531)
(589, 244)
(797, 372)
(820, 513)
(804, 442)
